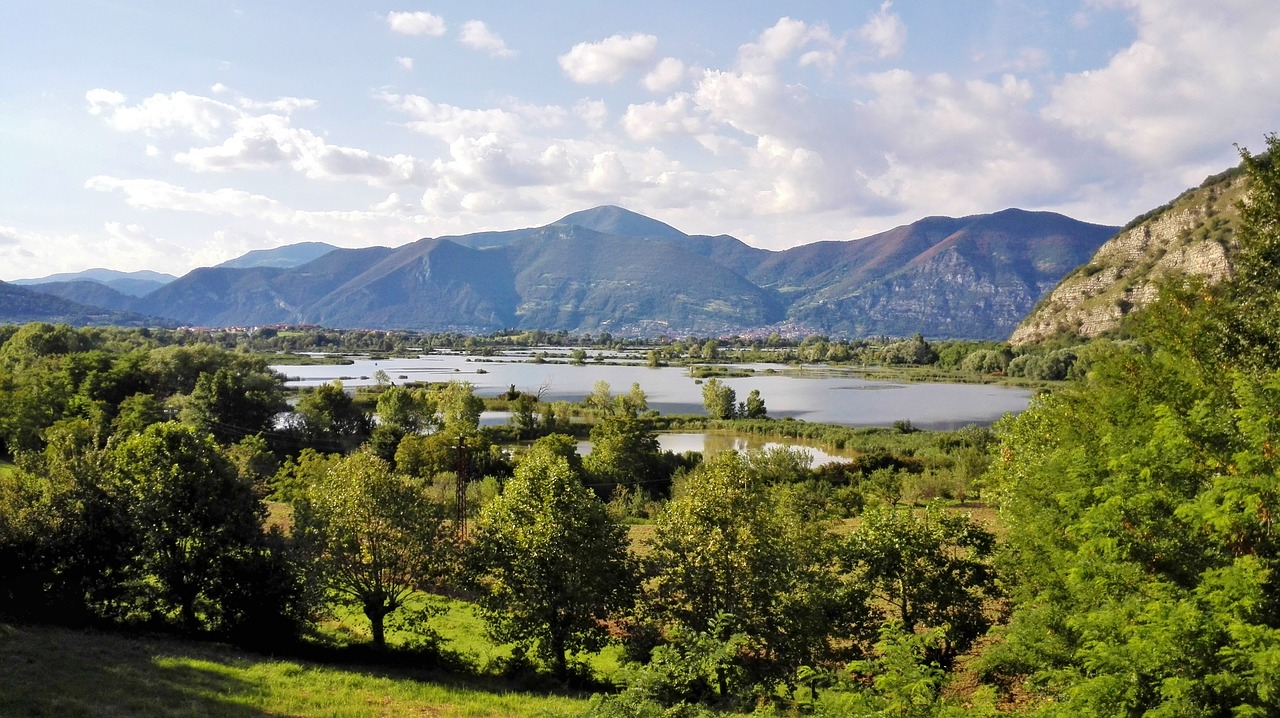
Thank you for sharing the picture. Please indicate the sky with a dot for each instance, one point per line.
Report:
(166, 136)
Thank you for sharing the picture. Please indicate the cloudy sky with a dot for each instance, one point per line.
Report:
(169, 135)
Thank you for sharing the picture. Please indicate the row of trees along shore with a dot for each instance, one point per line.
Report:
(1133, 568)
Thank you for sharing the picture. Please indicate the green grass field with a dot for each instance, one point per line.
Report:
(61, 672)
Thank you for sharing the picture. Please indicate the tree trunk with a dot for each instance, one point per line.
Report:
(376, 614)
(560, 661)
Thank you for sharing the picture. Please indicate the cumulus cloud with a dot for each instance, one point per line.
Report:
(178, 110)
(783, 40)
(266, 141)
(477, 36)
(593, 113)
(884, 32)
(666, 76)
(405, 62)
(447, 122)
(652, 120)
(608, 60)
(1191, 81)
(416, 23)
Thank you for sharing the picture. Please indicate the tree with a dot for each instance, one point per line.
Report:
(401, 412)
(719, 399)
(523, 414)
(329, 419)
(711, 350)
(726, 546)
(376, 537)
(754, 408)
(1140, 504)
(549, 564)
(624, 450)
(191, 518)
(231, 404)
(932, 569)
(459, 409)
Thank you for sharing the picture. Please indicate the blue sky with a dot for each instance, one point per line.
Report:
(166, 136)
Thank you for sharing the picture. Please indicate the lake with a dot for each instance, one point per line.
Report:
(815, 395)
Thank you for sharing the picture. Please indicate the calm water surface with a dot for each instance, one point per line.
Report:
(819, 397)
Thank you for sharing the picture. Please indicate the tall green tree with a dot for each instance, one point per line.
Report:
(926, 571)
(191, 516)
(330, 420)
(231, 404)
(1139, 506)
(375, 536)
(719, 399)
(727, 555)
(549, 564)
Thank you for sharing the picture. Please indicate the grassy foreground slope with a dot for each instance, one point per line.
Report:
(61, 672)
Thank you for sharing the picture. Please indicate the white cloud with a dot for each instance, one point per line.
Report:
(594, 113)
(449, 122)
(99, 99)
(1191, 82)
(885, 32)
(178, 110)
(652, 120)
(150, 194)
(405, 62)
(416, 23)
(666, 76)
(608, 60)
(157, 194)
(477, 36)
(783, 40)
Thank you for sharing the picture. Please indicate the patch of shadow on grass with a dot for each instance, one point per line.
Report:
(61, 672)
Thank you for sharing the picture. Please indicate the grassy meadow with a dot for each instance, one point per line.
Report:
(62, 672)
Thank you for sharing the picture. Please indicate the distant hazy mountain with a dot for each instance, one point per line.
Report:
(134, 284)
(290, 255)
(608, 269)
(19, 305)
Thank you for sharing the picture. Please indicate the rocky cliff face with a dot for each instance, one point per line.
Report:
(1193, 236)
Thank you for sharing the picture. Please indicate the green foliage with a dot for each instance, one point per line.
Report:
(328, 418)
(231, 404)
(191, 519)
(725, 547)
(754, 407)
(719, 399)
(680, 677)
(375, 536)
(912, 351)
(900, 681)
(1138, 507)
(624, 450)
(549, 564)
(926, 571)
(458, 408)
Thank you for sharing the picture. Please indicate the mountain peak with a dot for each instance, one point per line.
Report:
(611, 219)
(288, 256)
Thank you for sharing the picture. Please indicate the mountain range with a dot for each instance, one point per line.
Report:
(610, 269)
